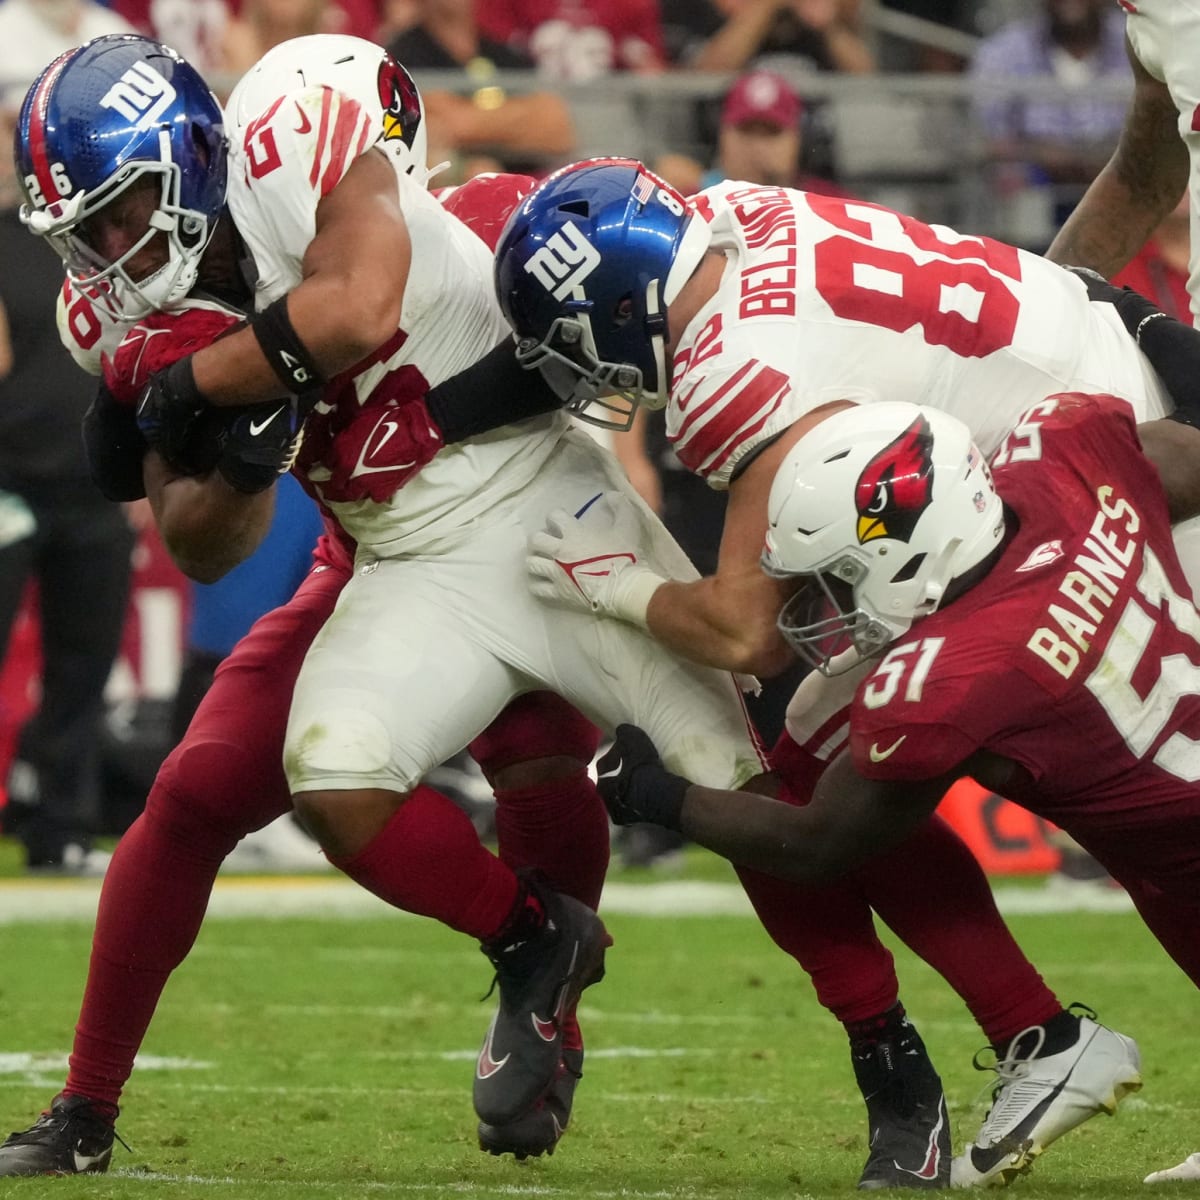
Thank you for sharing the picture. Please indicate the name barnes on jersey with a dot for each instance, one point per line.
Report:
(1090, 585)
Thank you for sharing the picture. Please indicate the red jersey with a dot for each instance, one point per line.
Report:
(1078, 656)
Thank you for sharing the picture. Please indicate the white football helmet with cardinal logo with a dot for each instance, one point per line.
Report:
(882, 506)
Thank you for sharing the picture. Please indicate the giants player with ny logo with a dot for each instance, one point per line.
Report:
(752, 314)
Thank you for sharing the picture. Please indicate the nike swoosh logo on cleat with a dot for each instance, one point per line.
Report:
(84, 1162)
(547, 1029)
(933, 1155)
(488, 1064)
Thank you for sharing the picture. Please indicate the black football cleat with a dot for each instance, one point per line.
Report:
(72, 1138)
(538, 1131)
(906, 1108)
(540, 979)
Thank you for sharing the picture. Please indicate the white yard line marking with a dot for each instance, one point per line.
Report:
(23, 901)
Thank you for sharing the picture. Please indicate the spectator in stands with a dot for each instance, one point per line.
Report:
(55, 528)
(577, 40)
(1061, 139)
(395, 16)
(761, 138)
(914, 53)
(262, 24)
(727, 35)
(524, 133)
(196, 28)
(32, 32)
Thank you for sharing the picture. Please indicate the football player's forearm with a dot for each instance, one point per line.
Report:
(1174, 449)
(719, 624)
(206, 526)
(331, 325)
(1107, 228)
(778, 839)
(1138, 186)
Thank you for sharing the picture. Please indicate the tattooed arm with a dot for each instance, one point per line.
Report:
(1137, 188)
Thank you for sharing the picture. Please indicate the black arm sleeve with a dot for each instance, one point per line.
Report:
(1173, 349)
(496, 391)
(115, 448)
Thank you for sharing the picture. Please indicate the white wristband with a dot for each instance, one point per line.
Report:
(632, 589)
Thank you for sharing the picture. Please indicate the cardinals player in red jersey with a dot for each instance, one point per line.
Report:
(1037, 635)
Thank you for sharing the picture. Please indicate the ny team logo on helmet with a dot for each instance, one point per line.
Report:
(585, 269)
(896, 486)
(116, 112)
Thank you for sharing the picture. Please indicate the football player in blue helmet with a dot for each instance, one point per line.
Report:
(564, 267)
(123, 124)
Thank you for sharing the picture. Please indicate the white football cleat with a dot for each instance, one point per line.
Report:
(1037, 1100)
(1188, 1171)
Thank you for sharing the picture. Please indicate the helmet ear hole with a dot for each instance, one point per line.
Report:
(623, 312)
(910, 568)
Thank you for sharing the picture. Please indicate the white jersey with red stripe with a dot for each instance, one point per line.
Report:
(825, 298)
(1165, 36)
(291, 142)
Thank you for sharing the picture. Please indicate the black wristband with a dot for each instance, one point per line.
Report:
(492, 392)
(283, 349)
(664, 804)
(1173, 350)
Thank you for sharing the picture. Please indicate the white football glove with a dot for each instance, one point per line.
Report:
(592, 563)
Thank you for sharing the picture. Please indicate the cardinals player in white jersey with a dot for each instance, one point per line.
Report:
(752, 313)
(225, 779)
(369, 288)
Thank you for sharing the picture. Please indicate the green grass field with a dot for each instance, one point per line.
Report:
(332, 1057)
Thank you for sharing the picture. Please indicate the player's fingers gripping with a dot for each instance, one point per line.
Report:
(548, 578)
(634, 784)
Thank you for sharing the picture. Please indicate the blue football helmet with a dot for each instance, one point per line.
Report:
(104, 116)
(585, 269)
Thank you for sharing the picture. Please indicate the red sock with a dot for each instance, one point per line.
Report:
(931, 892)
(559, 828)
(428, 860)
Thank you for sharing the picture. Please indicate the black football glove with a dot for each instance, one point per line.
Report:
(169, 411)
(1132, 307)
(260, 442)
(634, 784)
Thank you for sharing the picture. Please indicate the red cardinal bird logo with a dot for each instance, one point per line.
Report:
(896, 486)
(399, 100)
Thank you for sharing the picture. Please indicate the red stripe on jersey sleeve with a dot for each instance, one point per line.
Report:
(322, 133)
(745, 403)
(349, 114)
